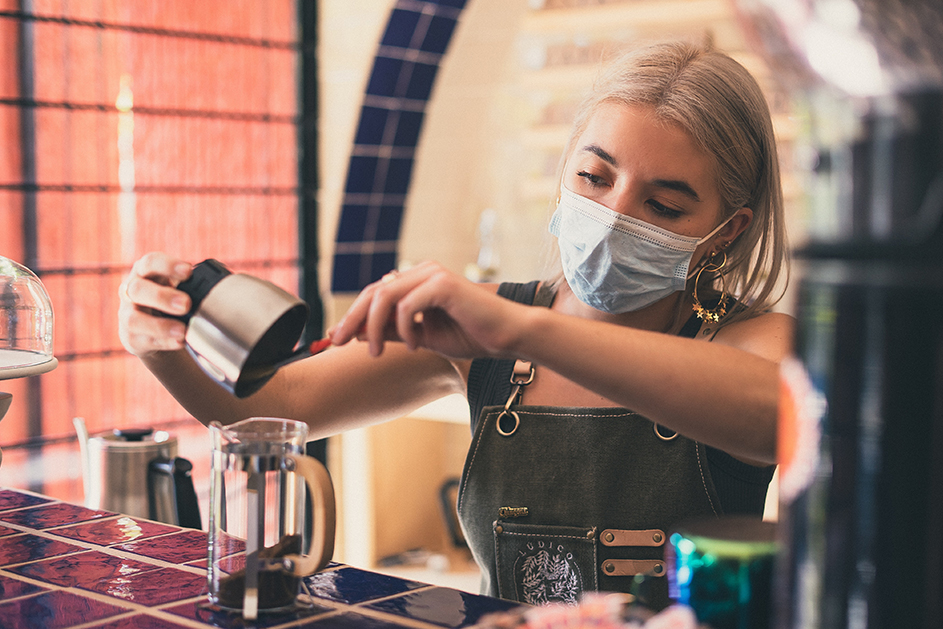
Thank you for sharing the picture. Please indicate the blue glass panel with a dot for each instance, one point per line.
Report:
(407, 128)
(381, 264)
(385, 76)
(351, 224)
(391, 216)
(361, 175)
(372, 125)
(438, 35)
(398, 175)
(400, 28)
(420, 83)
(346, 275)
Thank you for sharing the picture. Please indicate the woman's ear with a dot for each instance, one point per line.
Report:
(734, 227)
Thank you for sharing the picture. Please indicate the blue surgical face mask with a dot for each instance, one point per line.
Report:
(616, 263)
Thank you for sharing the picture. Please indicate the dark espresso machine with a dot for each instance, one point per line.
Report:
(861, 427)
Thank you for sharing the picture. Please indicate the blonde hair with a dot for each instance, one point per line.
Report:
(719, 103)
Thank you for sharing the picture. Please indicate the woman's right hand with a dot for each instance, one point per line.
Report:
(150, 288)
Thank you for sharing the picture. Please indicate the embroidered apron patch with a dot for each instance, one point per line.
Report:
(544, 564)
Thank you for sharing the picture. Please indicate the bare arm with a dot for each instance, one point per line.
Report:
(723, 393)
(339, 389)
(717, 393)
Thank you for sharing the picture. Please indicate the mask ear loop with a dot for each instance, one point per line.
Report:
(720, 310)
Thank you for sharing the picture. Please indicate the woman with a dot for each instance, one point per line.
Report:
(669, 206)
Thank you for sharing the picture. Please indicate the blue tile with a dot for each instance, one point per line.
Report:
(372, 125)
(421, 81)
(458, 4)
(438, 34)
(384, 78)
(53, 610)
(350, 227)
(350, 620)
(408, 126)
(350, 585)
(361, 174)
(400, 28)
(443, 606)
(398, 174)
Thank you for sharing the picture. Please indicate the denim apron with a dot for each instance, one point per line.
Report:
(555, 501)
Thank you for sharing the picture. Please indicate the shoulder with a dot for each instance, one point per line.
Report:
(769, 335)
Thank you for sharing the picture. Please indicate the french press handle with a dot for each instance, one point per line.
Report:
(321, 515)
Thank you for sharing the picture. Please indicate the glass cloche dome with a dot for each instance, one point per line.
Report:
(25, 327)
(26, 323)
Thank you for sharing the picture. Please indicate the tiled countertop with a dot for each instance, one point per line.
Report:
(62, 565)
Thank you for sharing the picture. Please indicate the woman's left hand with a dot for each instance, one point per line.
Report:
(431, 307)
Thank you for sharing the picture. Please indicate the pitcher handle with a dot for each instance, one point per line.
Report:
(322, 514)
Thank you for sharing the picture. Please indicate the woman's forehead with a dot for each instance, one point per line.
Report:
(623, 134)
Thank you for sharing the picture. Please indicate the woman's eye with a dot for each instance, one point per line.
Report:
(664, 210)
(593, 180)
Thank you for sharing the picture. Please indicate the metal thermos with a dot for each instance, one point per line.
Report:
(137, 472)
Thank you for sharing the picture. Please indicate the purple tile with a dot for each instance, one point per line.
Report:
(443, 606)
(50, 515)
(202, 611)
(12, 499)
(81, 569)
(350, 585)
(140, 621)
(155, 587)
(13, 588)
(22, 548)
(180, 547)
(115, 531)
(53, 610)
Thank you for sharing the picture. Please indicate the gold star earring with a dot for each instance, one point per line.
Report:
(712, 266)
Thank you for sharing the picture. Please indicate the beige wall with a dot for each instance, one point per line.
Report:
(499, 115)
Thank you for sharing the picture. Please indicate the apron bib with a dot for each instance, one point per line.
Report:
(556, 501)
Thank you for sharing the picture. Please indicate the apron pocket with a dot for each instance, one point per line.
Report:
(539, 564)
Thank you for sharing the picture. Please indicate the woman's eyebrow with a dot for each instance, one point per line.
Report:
(678, 185)
(601, 153)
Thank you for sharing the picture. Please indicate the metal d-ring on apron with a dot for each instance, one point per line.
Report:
(521, 376)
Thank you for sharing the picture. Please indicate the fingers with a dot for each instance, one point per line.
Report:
(152, 281)
(374, 316)
(150, 288)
